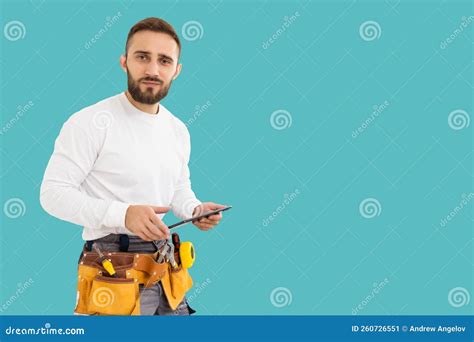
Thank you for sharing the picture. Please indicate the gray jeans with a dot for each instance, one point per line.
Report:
(152, 299)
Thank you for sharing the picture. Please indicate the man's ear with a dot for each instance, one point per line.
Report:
(178, 71)
(123, 63)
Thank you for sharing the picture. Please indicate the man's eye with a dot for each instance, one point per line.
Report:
(165, 61)
(142, 57)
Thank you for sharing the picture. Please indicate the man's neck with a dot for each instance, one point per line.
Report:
(147, 108)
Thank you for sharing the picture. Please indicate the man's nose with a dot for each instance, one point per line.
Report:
(152, 70)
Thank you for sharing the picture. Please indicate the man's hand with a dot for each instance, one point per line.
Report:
(207, 223)
(142, 221)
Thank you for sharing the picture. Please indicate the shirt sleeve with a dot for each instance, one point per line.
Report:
(184, 200)
(75, 152)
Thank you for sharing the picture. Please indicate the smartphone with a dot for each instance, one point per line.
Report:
(205, 214)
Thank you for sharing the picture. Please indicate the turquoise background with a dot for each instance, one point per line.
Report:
(319, 247)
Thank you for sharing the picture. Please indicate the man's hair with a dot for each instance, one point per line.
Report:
(155, 25)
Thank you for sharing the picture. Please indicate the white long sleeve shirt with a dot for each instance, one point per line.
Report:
(111, 155)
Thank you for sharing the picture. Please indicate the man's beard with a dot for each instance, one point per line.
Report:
(148, 96)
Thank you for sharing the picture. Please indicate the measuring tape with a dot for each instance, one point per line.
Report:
(186, 254)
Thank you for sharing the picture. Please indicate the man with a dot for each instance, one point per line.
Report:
(119, 165)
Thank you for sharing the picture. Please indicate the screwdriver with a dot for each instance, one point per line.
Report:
(109, 267)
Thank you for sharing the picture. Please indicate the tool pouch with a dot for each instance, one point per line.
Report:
(176, 283)
(113, 296)
(98, 294)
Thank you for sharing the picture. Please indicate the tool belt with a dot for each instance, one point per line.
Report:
(99, 294)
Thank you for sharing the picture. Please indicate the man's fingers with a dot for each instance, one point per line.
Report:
(160, 210)
(198, 210)
(160, 225)
(155, 220)
(152, 231)
(145, 235)
(156, 231)
(215, 217)
(204, 226)
(214, 206)
(208, 221)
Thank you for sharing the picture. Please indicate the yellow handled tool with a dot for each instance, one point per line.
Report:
(109, 267)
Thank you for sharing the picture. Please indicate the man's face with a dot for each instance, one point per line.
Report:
(151, 65)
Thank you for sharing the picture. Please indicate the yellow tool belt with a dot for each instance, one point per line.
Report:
(99, 294)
